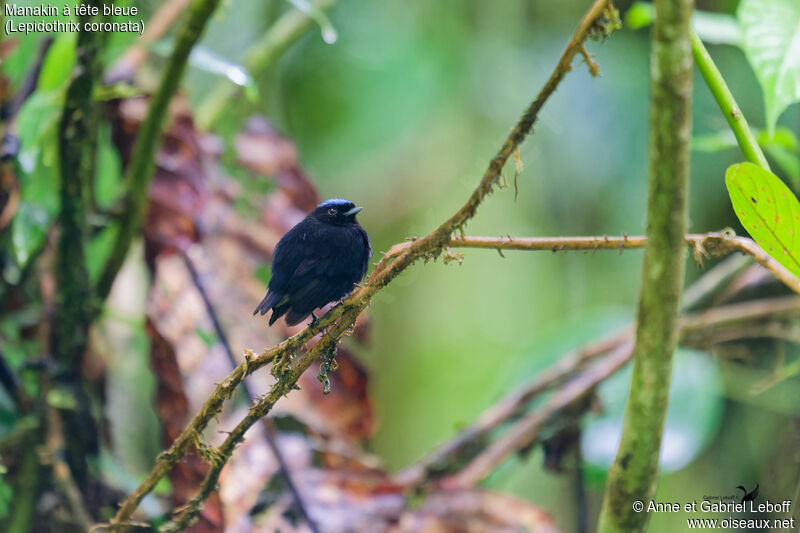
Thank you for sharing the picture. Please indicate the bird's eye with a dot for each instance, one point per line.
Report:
(331, 211)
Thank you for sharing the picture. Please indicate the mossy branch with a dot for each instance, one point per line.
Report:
(703, 245)
(633, 474)
(339, 320)
(142, 165)
(76, 153)
(69, 334)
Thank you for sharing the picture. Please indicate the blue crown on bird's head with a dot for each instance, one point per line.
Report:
(335, 202)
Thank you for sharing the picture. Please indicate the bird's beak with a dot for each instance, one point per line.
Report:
(353, 211)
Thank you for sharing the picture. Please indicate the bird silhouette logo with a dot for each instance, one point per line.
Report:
(748, 496)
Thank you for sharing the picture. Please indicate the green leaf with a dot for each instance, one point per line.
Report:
(61, 398)
(58, 64)
(99, 249)
(263, 273)
(6, 497)
(771, 41)
(768, 210)
(780, 147)
(108, 181)
(782, 136)
(717, 28)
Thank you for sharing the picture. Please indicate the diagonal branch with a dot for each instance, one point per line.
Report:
(339, 320)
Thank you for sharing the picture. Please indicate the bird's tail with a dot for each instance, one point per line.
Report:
(266, 304)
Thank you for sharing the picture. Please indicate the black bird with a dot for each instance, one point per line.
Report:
(748, 496)
(318, 261)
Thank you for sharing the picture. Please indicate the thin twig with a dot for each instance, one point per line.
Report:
(703, 244)
(157, 26)
(727, 104)
(703, 291)
(31, 79)
(693, 328)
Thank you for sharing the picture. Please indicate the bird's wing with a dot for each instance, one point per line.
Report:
(289, 253)
(316, 266)
(323, 253)
(755, 492)
(316, 292)
(367, 252)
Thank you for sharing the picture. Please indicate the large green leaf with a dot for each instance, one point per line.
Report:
(771, 41)
(768, 210)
